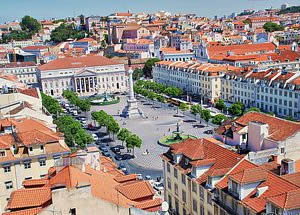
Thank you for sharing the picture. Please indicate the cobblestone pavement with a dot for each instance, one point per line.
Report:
(159, 122)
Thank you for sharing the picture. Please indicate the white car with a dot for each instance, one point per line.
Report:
(95, 137)
(75, 113)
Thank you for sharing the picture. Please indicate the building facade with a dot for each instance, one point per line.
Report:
(86, 75)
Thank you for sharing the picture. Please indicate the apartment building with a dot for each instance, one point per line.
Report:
(263, 135)
(85, 75)
(85, 183)
(272, 90)
(28, 148)
(192, 77)
(26, 72)
(251, 189)
(191, 170)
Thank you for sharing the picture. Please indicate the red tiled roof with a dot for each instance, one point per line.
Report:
(289, 200)
(293, 178)
(251, 175)
(26, 198)
(30, 92)
(150, 204)
(78, 62)
(125, 178)
(136, 190)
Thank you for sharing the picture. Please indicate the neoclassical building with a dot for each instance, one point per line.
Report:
(86, 75)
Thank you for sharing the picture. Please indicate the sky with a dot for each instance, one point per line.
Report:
(43, 9)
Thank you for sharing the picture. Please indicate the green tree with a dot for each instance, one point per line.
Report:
(236, 109)
(253, 109)
(173, 91)
(123, 134)
(196, 110)
(160, 98)
(148, 67)
(30, 25)
(220, 104)
(218, 119)
(133, 141)
(51, 104)
(64, 32)
(84, 105)
(205, 114)
(291, 119)
(113, 127)
(137, 74)
(183, 107)
(271, 27)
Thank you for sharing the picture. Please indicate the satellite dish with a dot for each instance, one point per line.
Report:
(164, 206)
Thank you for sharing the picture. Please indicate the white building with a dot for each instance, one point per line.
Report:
(86, 75)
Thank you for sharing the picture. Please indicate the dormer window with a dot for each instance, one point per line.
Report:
(42, 148)
(186, 161)
(30, 149)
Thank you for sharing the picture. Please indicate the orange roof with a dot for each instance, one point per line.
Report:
(30, 92)
(293, 178)
(247, 176)
(35, 183)
(274, 183)
(289, 200)
(77, 62)
(136, 190)
(26, 198)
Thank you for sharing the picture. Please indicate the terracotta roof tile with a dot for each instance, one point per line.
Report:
(136, 190)
(125, 178)
(289, 200)
(31, 211)
(248, 176)
(26, 198)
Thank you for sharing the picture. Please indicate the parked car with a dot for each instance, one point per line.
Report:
(208, 132)
(75, 113)
(95, 137)
(139, 176)
(118, 157)
(103, 148)
(121, 165)
(106, 154)
(126, 157)
(120, 146)
(126, 172)
(158, 186)
(148, 177)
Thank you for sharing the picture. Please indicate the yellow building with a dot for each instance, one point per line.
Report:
(191, 170)
(27, 150)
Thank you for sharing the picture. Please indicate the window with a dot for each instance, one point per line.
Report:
(2, 153)
(282, 150)
(176, 189)
(9, 185)
(183, 196)
(209, 198)
(175, 173)
(42, 162)
(169, 183)
(183, 179)
(27, 165)
(73, 211)
(30, 149)
(28, 178)
(195, 205)
(42, 147)
(201, 192)
(201, 210)
(194, 187)
(7, 169)
(168, 167)
(170, 201)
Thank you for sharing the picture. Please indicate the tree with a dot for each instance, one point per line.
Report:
(137, 74)
(113, 126)
(220, 104)
(148, 67)
(218, 119)
(30, 25)
(133, 141)
(236, 109)
(271, 27)
(64, 32)
(183, 107)
(196, 109)
(173, 91)
(123, 134)
(84, 105)
(205, 114)
(253, 109)
(160, 98)
(291, 119)
(51, 104)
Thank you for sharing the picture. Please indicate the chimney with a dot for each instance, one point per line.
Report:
(257, 132)
(275, 158)
(287, 166)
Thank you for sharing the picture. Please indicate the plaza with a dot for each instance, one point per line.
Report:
(159, 121)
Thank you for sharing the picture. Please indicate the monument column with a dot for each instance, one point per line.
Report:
(131, 92)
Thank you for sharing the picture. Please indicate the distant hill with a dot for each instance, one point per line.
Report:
(293, 9)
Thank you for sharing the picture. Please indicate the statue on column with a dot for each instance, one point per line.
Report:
(131, 110)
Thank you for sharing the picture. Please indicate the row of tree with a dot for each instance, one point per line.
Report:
(112, 127)
(83, 104)
(74, 134)
(51, 104)
(206, 115)
(158, 88)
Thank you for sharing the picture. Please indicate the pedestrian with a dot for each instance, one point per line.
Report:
(169, 129)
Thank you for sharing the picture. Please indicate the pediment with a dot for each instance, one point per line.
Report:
(85, 73)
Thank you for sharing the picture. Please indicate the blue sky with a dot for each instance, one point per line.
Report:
(40, 9)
